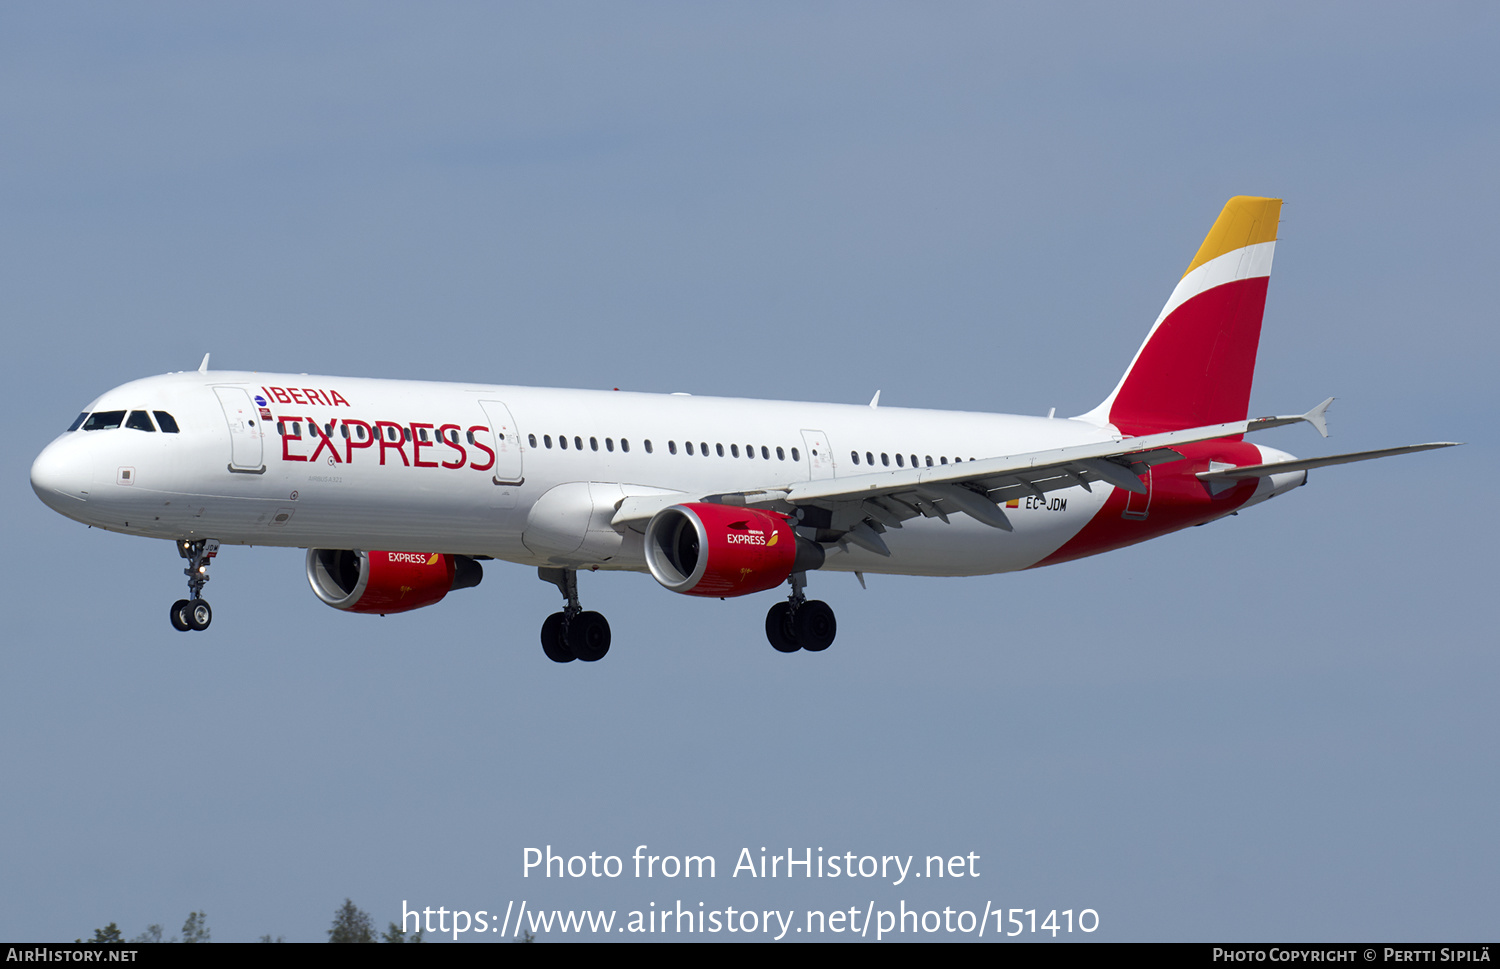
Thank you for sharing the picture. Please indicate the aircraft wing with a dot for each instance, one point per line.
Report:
(861, 506)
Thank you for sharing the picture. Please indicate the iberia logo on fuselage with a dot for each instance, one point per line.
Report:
(303, 395)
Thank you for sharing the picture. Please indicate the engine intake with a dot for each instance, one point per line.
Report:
(386, 582)
(701, 549)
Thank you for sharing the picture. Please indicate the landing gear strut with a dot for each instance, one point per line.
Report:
(800, 622)
(194, 612)
(572, 634)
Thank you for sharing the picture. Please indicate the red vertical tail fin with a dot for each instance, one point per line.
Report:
(1198, 361)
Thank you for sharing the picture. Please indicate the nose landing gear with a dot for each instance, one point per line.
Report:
(800, 623)
(572, 634)
(194, 613)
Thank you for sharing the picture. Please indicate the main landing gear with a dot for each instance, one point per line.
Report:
(194, 612)
(572, 634)
(800, 622)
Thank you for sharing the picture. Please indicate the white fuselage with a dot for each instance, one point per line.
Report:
(246, 473)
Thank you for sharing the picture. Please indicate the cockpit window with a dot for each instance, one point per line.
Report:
(79, 423)
(166, 421)
(139, 420)
(104, 420)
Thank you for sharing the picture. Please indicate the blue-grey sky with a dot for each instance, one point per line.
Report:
(1281, 726)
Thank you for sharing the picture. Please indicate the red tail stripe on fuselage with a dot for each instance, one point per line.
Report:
(1177, 500)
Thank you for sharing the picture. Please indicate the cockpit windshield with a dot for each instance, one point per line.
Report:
(139, 420)
(104, 420)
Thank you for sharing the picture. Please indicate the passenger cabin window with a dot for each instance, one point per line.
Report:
(648, 445)
(79, 423)
(795, 455)
(624, 445)
(547, 440)
(609, 444)
(780, 454)
(593, 444)
(139, 420)
(672, 447)
(529, 437)
(104, 420)
(689, 446)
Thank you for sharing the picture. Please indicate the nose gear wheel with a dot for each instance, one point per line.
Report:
(194, 614)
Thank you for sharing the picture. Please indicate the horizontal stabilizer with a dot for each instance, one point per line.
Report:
(1307, 464)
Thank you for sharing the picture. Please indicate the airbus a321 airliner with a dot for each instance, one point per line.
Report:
(399, 489)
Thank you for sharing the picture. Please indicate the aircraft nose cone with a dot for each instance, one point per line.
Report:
(58, 478)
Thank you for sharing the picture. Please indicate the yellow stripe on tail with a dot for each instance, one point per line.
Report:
(1245, 221)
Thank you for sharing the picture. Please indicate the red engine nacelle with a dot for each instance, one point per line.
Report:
(385, 582)
(724, 550)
